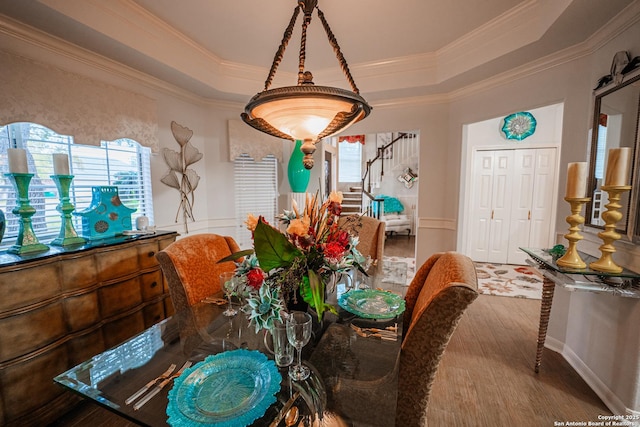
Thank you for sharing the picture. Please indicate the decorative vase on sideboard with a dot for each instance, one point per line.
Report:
(298, 175)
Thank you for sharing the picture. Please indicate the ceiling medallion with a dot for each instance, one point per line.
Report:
(305, 112)
(519, 125)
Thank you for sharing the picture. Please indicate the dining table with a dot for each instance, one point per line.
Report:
(353, 357)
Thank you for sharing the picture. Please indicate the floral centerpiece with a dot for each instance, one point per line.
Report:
(284, 266)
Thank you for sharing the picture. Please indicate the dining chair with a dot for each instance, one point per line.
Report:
(449, 287)
(371, 235)
(190, 266)
(411, 297)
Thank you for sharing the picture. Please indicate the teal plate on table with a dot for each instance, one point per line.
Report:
(372, 303)
(233, 388)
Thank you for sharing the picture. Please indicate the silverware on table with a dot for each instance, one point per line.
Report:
(150, 384)
(160, 386)
(284, 409)
(384, 334)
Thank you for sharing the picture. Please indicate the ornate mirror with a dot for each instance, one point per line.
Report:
(615, 124)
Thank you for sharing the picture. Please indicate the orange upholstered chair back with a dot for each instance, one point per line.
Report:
(448, 289)
(191, 267)
(370, 238)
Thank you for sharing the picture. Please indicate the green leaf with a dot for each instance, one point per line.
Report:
(314, 294)
(273, 249)
(236, 255)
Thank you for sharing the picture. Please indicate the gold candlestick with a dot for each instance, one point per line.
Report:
(611, 216)
(571, 258)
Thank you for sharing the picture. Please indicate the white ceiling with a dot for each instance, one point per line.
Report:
(222, 49)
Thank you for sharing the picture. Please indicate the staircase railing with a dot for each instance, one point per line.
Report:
(379, 156)
(372, 206)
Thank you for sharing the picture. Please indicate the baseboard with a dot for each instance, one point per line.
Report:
(608, 397)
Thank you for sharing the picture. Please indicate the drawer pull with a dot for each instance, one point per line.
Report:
(151, 254)
(154, 284)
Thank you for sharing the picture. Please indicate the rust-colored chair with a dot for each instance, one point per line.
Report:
(371, 237)
(190, 266)
(450, 285)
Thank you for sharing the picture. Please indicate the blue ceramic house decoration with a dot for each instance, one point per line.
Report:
(107, 216)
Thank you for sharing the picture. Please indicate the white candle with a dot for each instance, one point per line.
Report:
(60, 164)
(618, 167)
(576, 180)
(17, 160)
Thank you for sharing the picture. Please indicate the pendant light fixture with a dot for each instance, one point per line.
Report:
(305, 112)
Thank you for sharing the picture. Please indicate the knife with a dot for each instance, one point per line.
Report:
(160, 386)
(284, 409)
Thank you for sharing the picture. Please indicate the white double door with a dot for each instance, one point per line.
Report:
(512, 203)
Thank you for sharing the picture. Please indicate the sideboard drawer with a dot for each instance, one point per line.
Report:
(21, 286)
(117, 263)
(153, 313)
(78, 272)
(151, 285)
(119, 297)
(31, 330)
(147, 255)
(82, 311)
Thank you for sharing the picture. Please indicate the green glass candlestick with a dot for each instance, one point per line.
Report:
(68, 235)
(27, 241)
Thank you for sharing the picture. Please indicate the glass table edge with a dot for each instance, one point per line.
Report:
(543, 257)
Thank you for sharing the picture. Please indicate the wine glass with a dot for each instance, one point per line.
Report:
(299, 333)
(228, 285)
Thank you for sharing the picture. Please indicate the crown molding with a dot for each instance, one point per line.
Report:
(39, 46)
(375, 74)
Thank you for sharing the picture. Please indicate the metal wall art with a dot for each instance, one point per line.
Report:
(179, 176)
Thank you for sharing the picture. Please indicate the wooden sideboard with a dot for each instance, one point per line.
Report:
(64, 306)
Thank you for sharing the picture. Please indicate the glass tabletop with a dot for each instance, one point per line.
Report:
(624, 284)
(353, 361)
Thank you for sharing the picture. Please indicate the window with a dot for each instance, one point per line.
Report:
(256, 193)
(349, 161)
(123, 163)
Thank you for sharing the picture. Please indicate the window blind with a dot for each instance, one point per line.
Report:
(256, 193)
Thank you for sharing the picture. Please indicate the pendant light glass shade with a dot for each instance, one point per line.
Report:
(305, 112)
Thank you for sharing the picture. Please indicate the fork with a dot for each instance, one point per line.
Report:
(150, 384)
(378, 333)
(160, 386)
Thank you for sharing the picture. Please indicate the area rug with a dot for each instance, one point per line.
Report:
(518, 281)
(398, 270)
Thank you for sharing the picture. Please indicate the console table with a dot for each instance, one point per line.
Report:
(625, 284)
(65, 305)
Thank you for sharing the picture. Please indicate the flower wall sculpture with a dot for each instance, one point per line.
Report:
(180, 176)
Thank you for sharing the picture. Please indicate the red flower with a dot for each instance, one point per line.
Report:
(335, 208)
(255, 278)
(334, 251)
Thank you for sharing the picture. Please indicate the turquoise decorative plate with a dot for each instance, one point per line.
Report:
(230, 389)
(519, 125)
(372, 303)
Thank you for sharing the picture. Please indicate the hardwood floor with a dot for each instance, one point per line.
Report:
(486, 375)
(400, 245)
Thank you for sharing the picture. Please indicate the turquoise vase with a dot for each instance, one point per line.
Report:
(298, 175)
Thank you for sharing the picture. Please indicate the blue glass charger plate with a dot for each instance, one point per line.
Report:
(230, 389)
(372, 303)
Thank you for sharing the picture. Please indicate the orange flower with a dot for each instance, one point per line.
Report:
(299, 226)
(251, 222)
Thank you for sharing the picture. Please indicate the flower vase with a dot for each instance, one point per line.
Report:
(298, 174)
